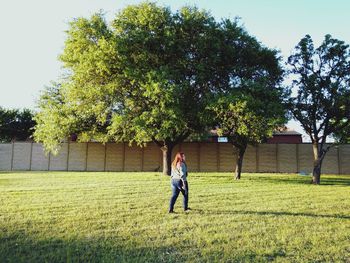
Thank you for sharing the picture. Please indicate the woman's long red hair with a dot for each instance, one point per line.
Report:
(178, 159)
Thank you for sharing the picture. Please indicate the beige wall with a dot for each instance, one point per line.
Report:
(204, 157)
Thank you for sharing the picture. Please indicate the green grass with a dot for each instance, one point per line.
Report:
(122, 217)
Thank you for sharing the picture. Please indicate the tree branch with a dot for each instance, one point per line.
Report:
(156, 142)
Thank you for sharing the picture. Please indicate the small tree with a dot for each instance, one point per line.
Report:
(16, 124)
(248, 116)
(322, 101)
(250, 106)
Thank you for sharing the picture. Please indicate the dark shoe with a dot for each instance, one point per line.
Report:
(171, 211)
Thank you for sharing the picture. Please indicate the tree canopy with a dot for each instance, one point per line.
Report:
(16, 124)
(150, 76)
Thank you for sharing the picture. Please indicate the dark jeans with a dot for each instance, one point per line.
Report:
(176, 188)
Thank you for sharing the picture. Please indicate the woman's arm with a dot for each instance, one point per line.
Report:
(183, 171)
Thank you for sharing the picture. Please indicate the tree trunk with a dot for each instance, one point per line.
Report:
(316, 173)
(318, 158)
(239, 162)
(167, 151)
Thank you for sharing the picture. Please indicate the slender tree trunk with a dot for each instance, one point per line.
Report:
(318, 158)
(239, 162)
(167, 147)
(316, 174)
(167, 152)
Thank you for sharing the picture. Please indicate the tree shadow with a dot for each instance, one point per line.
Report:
(306, 180)
(19, 247)
(280, 180)
(268, 213)
(275, 178)
(335, 181)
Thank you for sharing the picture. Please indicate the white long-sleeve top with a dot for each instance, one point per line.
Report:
(179, 172)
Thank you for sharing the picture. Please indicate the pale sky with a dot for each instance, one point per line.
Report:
(32, 33)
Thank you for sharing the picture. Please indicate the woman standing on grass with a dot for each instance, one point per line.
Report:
(179, 181)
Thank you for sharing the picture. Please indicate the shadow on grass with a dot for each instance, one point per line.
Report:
(335, 181)
(19, 247)
(268, 213)
(305, 180)
(278, 179)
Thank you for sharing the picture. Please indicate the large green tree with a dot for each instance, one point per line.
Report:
(16, 124)
(322, 100)
(173, 58)
(147, 77)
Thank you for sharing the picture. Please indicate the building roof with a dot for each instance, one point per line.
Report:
(286, 132)
(275, 133)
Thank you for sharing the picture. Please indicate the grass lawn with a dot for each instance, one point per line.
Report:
(122, 217)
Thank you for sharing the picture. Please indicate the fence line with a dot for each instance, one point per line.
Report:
(204, 157)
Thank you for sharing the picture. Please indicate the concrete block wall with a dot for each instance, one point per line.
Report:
(204, 157)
